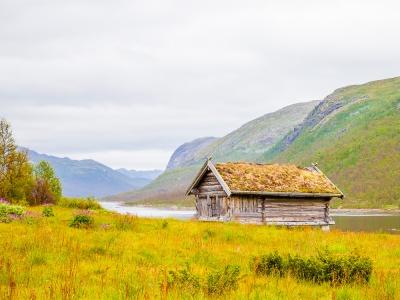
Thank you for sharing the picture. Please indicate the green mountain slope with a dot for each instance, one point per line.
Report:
(354, 135)
(246, 143)
(255, 137)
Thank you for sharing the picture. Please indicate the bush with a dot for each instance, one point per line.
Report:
(345, 269)
(164, 224)
(309, 269)
(41, 193)
(82, 221)
(223, 281)
(10, 212)
(184, 279)
(270, 264)
(324, 267)
(47, 212)
(79, 203)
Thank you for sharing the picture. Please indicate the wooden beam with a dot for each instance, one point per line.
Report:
(287, 194)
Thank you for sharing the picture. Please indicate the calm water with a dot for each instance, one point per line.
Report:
(345, 220)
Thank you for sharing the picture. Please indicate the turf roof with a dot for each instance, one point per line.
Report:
(251, 177)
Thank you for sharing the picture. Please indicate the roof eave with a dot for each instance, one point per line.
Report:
(288, 194)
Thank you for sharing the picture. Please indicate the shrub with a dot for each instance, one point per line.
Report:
(9, 212)
(270, 264)
(223, 281)
(164, 224)
(184, 279)
(309, 269)
(79, 203)
(47, 212)
(324, 267)
(345, 269)
(82, 221)
(41, 193)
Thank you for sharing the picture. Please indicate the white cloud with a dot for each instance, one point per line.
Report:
(143, 77)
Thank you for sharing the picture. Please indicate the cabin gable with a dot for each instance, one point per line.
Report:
(211, 199)
(209, 185)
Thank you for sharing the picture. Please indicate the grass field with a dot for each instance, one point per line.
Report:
(120, 257)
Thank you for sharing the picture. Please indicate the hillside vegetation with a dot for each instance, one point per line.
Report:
(59, 253)
(354, 135)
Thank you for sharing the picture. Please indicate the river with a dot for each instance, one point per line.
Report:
(346, 220)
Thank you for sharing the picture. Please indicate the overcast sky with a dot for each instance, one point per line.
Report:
(126, 82)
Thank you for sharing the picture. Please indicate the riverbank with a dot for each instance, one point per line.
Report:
(345, 219)
(118, 256)
(334, 211)
(338, 211)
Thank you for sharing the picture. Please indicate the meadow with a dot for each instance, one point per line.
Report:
(50, 254)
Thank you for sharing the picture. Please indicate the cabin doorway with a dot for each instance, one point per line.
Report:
(214, 206)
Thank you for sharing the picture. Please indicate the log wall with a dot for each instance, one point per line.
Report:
(297, 211)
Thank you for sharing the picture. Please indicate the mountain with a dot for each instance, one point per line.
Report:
(354, 135)
(257, 136)
(186, 153)
(81, 178)
(248, 143)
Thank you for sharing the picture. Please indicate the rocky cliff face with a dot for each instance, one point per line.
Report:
(186, 153)
(324, 110)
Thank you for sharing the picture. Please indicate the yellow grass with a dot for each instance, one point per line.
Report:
(273, 178)
(129, 258)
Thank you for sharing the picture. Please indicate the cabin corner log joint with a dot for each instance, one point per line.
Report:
(263, 194)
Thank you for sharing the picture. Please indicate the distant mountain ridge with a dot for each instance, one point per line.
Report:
(81, 178)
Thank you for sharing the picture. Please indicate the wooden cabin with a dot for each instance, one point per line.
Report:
(263, 194)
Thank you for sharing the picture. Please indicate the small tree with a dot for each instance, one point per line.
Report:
(15, 170)
(47, 188)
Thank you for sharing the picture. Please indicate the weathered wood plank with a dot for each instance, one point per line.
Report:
(214, 193)
(302, 203)
(206, 189)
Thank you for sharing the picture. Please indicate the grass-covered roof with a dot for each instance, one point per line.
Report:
(251, 177)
